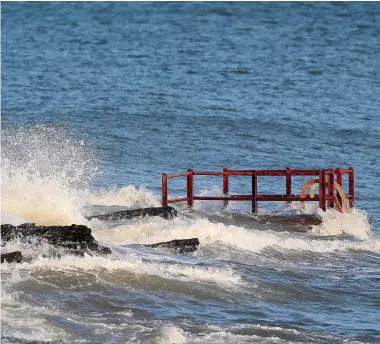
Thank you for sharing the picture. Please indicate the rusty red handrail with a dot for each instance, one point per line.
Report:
(326, 197)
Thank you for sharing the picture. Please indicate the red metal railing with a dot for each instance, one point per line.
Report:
(327, 180)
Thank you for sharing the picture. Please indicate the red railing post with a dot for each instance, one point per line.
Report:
(225, 185)
(327, 197)
(340, 182)
(351, 186)
(164, 190)
(322, 190)
(331, 188)
(254, 193)
(288, 185)
(190, 188)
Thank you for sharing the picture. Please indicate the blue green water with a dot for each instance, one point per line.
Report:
(99, 98)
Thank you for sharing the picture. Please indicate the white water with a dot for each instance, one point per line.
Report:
(43, 170)
(182, 272)
(31, 196)
(249, 239)
(354, 223)
(47, 182)
(22, 320)
(129, 196)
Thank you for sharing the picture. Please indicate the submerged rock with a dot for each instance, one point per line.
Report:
(74, 237)
(12, 257)
(178, 246)
(77, 239)
(165, 212)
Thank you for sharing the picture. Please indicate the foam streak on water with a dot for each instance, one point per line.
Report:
(99, 98)
(241, 272)
(214, 275)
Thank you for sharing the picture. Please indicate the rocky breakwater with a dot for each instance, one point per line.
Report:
(75, 238)
(167, 213)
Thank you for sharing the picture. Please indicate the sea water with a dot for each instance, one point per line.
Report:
(98, 99)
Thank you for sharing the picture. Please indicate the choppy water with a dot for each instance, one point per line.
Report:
(99, 98)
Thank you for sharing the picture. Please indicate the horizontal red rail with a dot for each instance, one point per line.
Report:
(326, 182)
(282, 173)
(204, 173)
(249, 198)
(270, 198)
(177, 200)
(274, 173)
(346, 171)
(175, 175)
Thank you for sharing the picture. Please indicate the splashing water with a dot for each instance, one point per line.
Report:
(171, 334)
(43, 170)
(354, 223)
(130, 196)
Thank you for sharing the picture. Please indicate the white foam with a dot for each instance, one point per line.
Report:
(354, 223)
(241, 333)
(128, 196)
(255, 333)
(218, 275)
(43, 170)
(33, 198)
(227, 337)
(218, 205)
(170, 335)
(26, 322)
(157, 230)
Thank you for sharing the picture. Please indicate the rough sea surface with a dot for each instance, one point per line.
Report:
(98, 99)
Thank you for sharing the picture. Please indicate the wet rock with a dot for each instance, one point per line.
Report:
(12, 257)
(178, 246)
(298, 223)
(165, 212)
(291, 220)
(74, 237)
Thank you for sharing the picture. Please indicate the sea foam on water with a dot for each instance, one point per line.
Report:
(43, 170)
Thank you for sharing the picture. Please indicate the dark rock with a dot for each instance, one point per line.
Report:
(178, 246)
(301, 223)
(12, 257)
(369, 219)
(302, 219)
(165, 212)
(74, 237)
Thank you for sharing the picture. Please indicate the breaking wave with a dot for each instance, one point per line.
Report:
(136, 266)
(129, 196)
(249, 239)
(43, 170)
(46, 177)
(355, 223)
